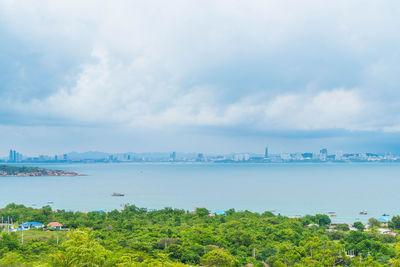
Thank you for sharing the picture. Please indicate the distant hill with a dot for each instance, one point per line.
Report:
(8, 170)
(87, 155)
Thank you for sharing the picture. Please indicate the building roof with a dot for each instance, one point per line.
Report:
(220, 212)
(55, 224)
(383, 219)
(391, 233)
(32, 224)
(99, 211)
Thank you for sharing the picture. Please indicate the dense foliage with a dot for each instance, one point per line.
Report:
(14, 170)
(171, 237)
(9, 170)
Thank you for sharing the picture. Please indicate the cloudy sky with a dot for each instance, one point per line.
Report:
(209, 76)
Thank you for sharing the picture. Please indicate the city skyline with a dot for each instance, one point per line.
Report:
(323, 155)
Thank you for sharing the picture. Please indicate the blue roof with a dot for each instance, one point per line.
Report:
(99, 211)
(383, 220)
(32, 224)
(220, 212)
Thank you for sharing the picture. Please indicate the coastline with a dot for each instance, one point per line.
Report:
(23, 171)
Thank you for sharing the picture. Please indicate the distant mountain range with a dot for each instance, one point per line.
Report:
(87, 155)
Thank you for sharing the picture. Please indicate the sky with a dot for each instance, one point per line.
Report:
(207, 76)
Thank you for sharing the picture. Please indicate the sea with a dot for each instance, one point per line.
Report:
(289, 189)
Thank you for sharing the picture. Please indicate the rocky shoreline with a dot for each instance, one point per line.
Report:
(7, 170)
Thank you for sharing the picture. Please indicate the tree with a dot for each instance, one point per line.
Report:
(9, 241)
(80, 250)
(322, 219)
(11, 259)
(359, 226)
(373, 222)
(202, 211)
(395, 223)
(219, 257)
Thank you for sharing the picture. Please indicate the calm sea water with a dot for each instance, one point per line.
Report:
(288, 189)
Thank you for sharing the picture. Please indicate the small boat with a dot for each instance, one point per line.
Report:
(363, 212)
(50, 202)
(331, 212)
(333, 215)
(385, 215)
(117, 194)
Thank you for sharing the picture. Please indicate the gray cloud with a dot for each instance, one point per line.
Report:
(257, 67)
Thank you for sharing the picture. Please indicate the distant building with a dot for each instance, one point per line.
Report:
(200, 157)
(55, 225)
(172, 157)
(339, 155)
(241, 157)
(65, 157)
(307, 156)
(285, 156)
(14, 156)
(384, 221)
(323, 154)
(31, 225)
(220, 212)
(266, 153)
(331, 157)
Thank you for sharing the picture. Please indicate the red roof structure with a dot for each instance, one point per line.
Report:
(55, 224)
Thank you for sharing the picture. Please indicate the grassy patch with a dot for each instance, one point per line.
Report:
(41, 235)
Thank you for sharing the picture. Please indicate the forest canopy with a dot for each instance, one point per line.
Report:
(172, 237)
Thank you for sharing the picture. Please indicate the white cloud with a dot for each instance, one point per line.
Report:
(335, 109)
(108, 92)
(152, 67)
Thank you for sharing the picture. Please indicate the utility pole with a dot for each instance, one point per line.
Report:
(57, 237)
(22, 236)
(312, 258)
(254, 252)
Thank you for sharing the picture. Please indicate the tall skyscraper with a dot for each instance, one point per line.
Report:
(266, 153)
(11, 155)
(323, 154)
(172, 157)
(14, 157)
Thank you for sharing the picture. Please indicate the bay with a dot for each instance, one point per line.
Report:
(289, 188)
